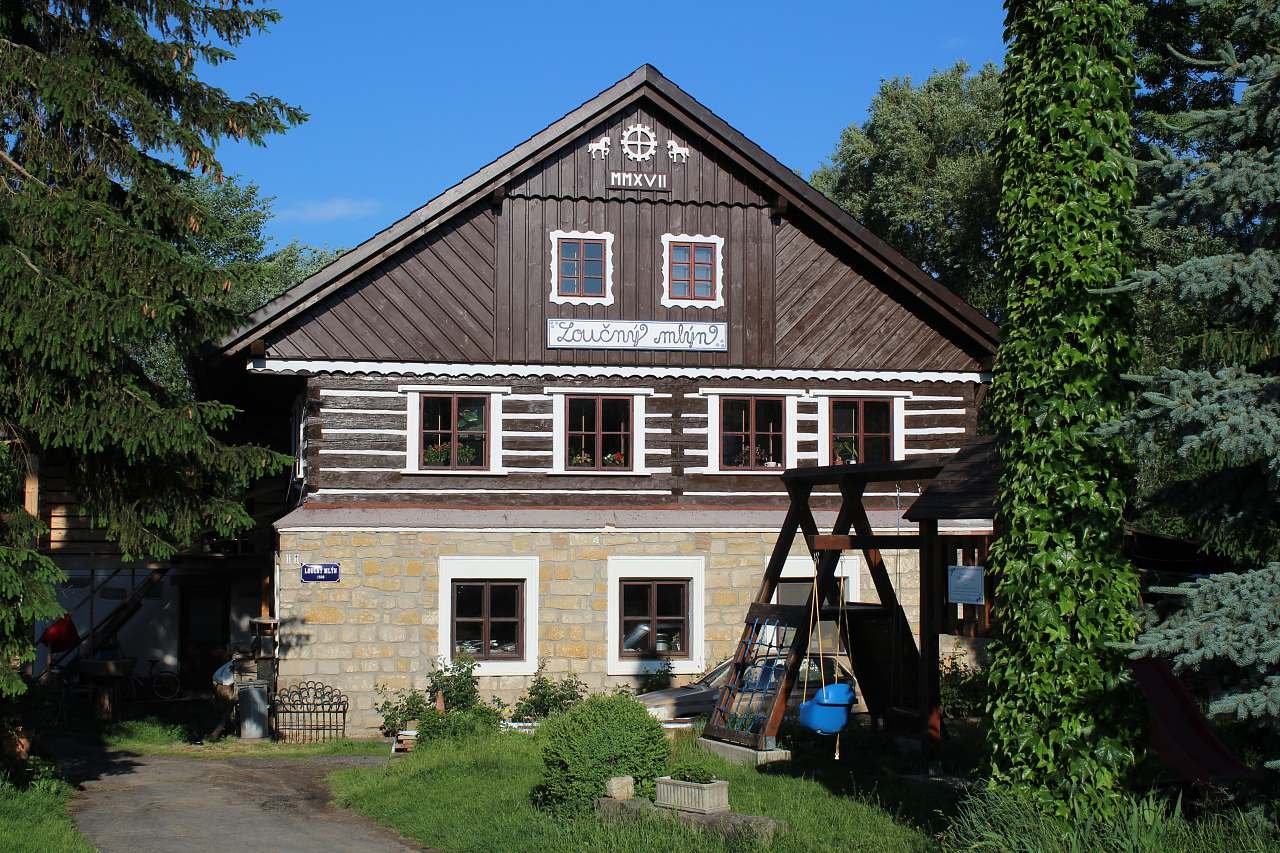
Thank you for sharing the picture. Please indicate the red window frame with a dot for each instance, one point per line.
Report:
(652, 619)
(692, 264)
(486, 620)
(582, 243)
(860, 434)
(453, 434)
(752, 434)
(597, 435)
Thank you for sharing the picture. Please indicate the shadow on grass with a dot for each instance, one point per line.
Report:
(890, 772)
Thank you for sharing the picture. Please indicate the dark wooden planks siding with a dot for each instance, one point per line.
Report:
(834, 312)
(434, 301)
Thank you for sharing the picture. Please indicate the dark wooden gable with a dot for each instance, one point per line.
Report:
(466, 277)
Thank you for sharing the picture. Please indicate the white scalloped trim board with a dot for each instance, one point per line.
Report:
(459, 370)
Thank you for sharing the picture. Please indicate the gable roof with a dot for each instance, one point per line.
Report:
(645, 82)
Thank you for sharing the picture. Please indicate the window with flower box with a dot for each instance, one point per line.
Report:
(752, 433)
(454, 431)
(598, 433)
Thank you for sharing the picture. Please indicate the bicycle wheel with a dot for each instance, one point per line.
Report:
(165, 685)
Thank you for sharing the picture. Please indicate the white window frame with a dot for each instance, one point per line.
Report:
(668, 301)
(691, 569)
(559, 424)
(849, 568)
(522, 568)
(825, 398)
(413, 429)
(581, 299)
(790, 411)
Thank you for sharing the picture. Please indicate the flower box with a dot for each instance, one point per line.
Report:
(697, 797)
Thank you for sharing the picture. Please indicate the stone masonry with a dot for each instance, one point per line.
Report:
(379, 626)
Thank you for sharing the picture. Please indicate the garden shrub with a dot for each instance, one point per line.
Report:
(459, 723)
(546, 696)
(601, 736)
(965, 689)
(456, 680)
(691, 769)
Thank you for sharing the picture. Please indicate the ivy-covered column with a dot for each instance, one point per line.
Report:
(1065, 593)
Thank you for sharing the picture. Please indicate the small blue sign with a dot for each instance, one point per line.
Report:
(319, 572)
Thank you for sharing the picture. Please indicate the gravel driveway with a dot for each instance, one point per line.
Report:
(139, 804)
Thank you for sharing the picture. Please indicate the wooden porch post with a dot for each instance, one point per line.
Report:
(932, 598)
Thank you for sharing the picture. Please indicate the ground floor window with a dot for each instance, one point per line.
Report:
(488, 610)
(655, 614)
(655, 618)
(861, 431)
(487, 617)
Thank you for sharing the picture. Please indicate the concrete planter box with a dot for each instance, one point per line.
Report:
(696, 797)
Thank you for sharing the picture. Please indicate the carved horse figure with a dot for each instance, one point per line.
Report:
(600, 146)
(675, 150)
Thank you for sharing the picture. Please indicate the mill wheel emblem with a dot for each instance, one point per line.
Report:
(639, 143)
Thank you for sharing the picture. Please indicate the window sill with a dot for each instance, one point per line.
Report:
(736, 472)
(598, 474)
(448, 472)
(646, 666)
(506, 667)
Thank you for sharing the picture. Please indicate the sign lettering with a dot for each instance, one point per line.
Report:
(320, 572)
(637, 335)
(638, 181)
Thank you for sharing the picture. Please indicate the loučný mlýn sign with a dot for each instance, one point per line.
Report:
(637, 335)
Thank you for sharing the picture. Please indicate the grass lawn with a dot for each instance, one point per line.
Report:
(474, 795)
(35, 820)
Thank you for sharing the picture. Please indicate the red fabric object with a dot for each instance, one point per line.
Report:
(1180, 734)
(61, 635)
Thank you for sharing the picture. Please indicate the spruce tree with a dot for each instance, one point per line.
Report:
(1221, 417)
(1066, 594)
(104, 118)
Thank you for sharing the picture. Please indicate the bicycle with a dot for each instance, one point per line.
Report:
(163, 684)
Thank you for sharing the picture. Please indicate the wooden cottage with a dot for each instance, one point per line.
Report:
(544, 415)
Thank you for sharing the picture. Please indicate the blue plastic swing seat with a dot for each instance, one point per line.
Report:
(827, 713)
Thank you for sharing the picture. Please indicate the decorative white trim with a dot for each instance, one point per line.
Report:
(331, 452)
(925, 451)
(791, 426)
(911, 412)
(491, 568)
(753, 392)
(692, 569)
(359, 431)
(453, 369)
(556, 298)
(947, 399)
(343, 392)
(493, 491)
(493, 428)
(667, 300)
(603, 389)
(899, 428)
(526, 416)
(933, 430)
(850, 392)
(331, 411)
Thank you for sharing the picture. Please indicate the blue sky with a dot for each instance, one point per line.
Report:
(407, 98)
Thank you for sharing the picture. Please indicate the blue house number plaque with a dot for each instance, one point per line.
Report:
(319, 572)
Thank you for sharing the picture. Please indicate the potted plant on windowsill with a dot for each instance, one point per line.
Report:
(466, 455)
(582, 460)
(692, 787)
(437, 455)
(614, 460)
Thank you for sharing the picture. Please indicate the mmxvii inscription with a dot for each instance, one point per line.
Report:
(637, 335)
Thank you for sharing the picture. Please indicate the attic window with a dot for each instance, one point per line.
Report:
(692, 271)
(581, 268)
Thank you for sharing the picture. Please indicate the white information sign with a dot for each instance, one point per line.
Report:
(637, 335)
(965, 585)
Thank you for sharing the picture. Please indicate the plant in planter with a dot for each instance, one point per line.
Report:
(846, 452)
(437, 455)
(582, 459)
(466, 454)
(614, 460)
(692, 787)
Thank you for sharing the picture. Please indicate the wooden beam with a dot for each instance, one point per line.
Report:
(828, 542)
(932, 567)
(868, 472)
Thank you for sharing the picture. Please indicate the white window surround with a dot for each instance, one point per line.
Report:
(717, 279)
(491, 568)
(790, 410)
(899, 401)
(692, 569)
(493, 426)
(849, 568)
(558, 428)
(582, 299)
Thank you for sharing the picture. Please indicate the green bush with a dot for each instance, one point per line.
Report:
(1007, 821)
(601, 736)
(459, 723)
(965, 690)
(546, 696)
(697, 770)
(456, 680)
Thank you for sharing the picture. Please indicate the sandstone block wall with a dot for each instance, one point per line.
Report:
(379, 625)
